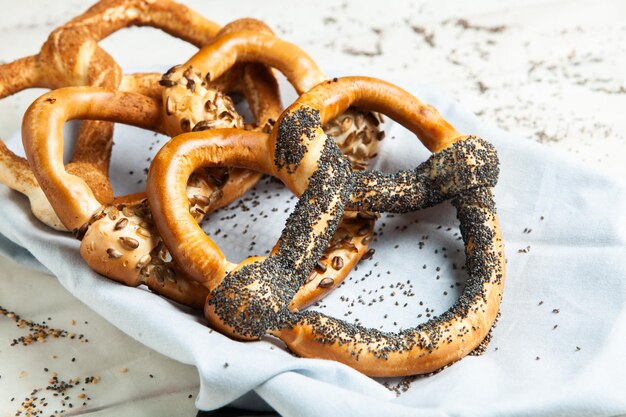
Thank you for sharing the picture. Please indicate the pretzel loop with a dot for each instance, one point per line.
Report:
(431, 345)
(118, 240)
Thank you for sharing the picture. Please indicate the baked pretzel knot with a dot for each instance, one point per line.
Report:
(118, 239)
(254, 298)
(71, 57)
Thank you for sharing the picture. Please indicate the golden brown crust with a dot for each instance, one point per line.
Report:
(245, 24)
(354, 130)
(146, 84)
(255, 81)
(334, 97)
(263, 98)
(171, 17)
(19, 75)
(251, 46)
(71, 56)
(70, 196)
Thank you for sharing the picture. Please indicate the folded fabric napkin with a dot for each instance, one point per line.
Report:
(559, 347)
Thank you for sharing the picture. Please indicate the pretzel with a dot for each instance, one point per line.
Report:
(71, 57)
(255, 297)
(356, 132)
(193, 92)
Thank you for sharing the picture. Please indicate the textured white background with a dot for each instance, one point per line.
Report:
(552, 71)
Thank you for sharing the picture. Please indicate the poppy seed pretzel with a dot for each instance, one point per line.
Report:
(255, 297)
(71, 57)
(464, 168)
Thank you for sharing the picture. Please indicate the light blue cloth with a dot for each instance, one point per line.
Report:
(574, 261)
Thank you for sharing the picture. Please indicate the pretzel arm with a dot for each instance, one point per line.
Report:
(71, 56)
(170, 17)
(255, 81)
(465, 165)
(167, 177)
(260, 88)
(20, 74)
(146, 84)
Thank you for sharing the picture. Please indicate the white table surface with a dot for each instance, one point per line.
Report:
(551, 71)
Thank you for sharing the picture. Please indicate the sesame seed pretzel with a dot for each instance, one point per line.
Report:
(118, 238)
(356, 132)
(71, 57)
(255, 297)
